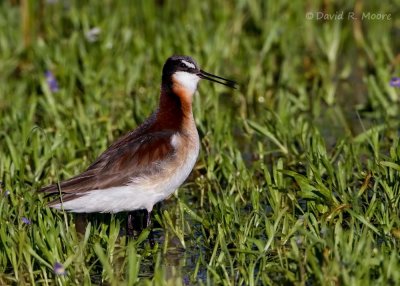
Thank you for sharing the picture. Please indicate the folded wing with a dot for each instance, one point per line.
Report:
(128, 158)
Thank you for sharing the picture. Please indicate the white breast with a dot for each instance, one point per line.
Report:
(185, 166)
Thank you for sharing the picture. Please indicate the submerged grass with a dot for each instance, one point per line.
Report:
(298, 180)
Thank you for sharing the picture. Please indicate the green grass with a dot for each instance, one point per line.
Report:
(298, 179)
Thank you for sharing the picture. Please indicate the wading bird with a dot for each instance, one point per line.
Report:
(149, 163)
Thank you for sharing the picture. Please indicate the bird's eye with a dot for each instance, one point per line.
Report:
(182, 65)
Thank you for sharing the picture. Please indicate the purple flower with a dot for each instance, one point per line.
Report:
(25, 220)
(59, 269)
(51, 81)
(395, 82)
(5, 193)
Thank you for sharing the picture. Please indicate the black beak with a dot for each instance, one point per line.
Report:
(214, 78)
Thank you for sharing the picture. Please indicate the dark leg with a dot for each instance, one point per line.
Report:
(148, 224)
(148, 220)
(80, 223)
(129, 225)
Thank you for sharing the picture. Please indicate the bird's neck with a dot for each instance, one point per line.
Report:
(175, 108)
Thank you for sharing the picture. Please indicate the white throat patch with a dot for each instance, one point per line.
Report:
(187, 80)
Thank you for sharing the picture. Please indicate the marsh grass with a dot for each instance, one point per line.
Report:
(298, 178)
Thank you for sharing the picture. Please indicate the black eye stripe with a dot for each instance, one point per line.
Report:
(183, 65)
(186, 66)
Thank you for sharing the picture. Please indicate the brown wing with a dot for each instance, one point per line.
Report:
(129, 157)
